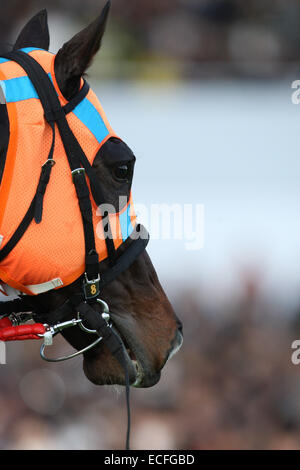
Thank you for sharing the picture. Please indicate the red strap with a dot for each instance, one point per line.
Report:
(5, 323)
(20, 333)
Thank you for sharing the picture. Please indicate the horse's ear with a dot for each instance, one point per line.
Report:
(73, 59)
(35, 33)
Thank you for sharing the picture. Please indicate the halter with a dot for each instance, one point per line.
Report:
(83, 302)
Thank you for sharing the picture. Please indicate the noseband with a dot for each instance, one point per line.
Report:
(84, 302)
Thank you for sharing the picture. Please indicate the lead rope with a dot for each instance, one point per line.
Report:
(127, 385)
(120, 356)
(115, 345)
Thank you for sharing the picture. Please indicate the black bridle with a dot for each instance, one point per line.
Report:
(83, 302)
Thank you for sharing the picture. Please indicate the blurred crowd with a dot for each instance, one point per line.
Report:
(232, 386)
(188, 38)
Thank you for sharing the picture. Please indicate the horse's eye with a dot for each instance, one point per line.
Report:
(122, 172)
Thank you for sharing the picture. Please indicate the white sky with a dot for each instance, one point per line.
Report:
(233, 147)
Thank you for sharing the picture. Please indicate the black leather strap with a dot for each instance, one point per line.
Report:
(68, 108)
(124, 261)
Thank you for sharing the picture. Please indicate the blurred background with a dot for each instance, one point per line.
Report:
(201, 91)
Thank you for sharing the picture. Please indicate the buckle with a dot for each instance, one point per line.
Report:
(78, 171)
(91, 288)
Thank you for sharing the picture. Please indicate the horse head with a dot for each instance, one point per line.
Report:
(139, 308)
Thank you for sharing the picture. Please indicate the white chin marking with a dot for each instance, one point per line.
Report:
(139, 371)
(139, 374)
